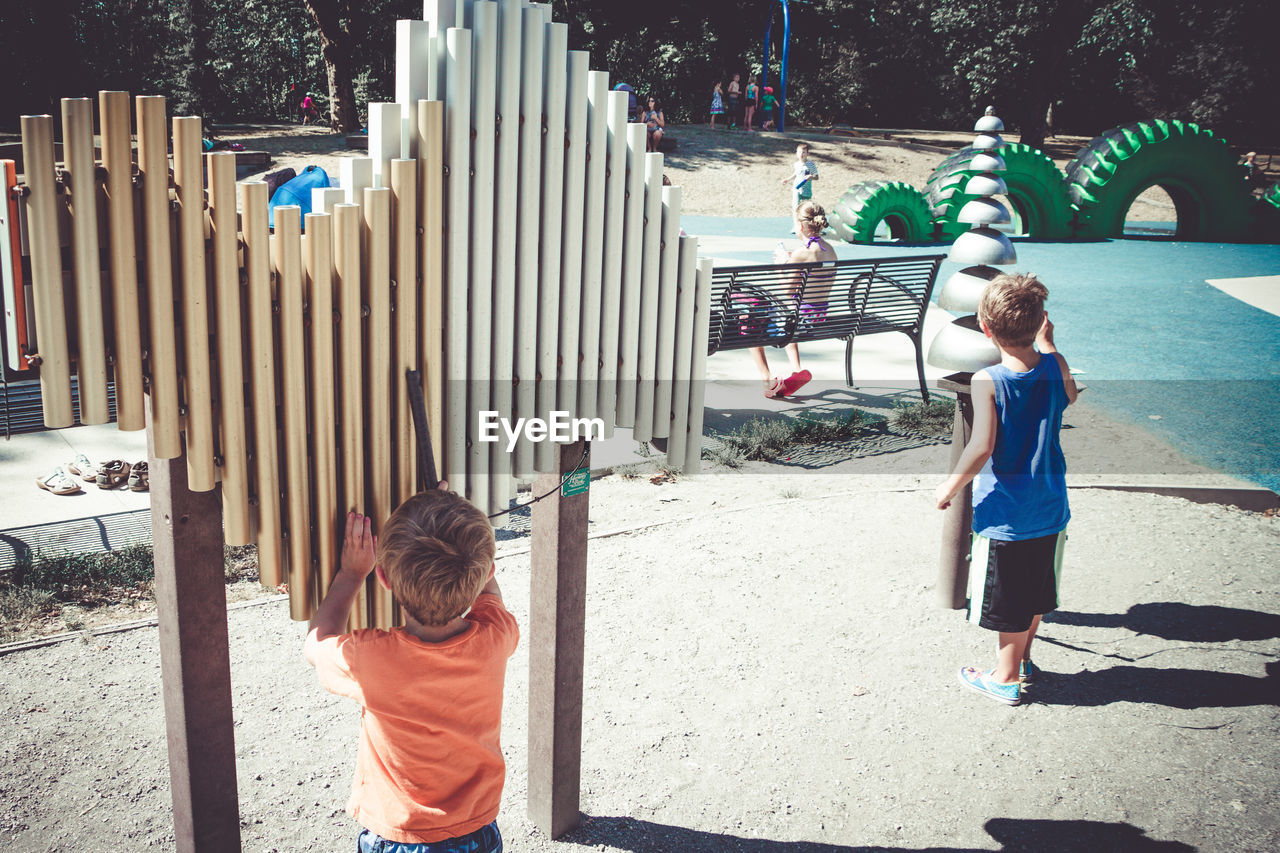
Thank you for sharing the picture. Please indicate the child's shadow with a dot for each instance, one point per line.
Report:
(1176, 688)
(1175, 620)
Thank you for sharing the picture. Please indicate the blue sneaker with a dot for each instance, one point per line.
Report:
(1009, 694)
(1028, 672)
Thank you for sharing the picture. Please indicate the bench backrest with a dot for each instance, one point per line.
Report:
(778, 304)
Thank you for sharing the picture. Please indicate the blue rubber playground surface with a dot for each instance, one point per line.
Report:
(1157, 345)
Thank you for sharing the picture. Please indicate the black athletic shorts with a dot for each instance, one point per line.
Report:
(1011, 582)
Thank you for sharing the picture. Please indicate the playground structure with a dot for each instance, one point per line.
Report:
(490, 244)
(783, 55)
(1087, 201)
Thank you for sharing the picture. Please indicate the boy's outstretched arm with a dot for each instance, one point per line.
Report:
(982, 441)
(359, 546)
(1044, 343)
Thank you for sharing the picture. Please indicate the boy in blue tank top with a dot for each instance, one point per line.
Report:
(1015, 460)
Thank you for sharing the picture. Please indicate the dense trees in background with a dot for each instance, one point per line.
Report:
(866, 63)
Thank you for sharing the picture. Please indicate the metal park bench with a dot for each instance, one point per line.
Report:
(779, 304)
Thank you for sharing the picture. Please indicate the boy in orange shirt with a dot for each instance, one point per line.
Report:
(429, 770)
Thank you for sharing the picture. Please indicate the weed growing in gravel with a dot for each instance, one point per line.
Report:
(931, 418)
(763, 440)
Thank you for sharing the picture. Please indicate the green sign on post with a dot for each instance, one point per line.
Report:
(576, 483)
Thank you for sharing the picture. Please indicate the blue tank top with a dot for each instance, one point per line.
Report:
(1021, 493)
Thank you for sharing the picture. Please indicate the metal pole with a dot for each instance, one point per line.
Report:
(195, 663)
(557, 617)
(957, 521)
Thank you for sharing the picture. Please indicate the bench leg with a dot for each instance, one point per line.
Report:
(848, 361)
(924, 389)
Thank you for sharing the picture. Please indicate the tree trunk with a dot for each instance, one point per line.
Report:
(337, 41)
(343, 115)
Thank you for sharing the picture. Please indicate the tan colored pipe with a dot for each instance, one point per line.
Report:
(257, 261)
(405, 252)
(287, 255)
(91, 350)
(153, 166)
(117, 159)
(46, 271)
(377, 258)
(188, 179)
(236, 525)
(318, 255)
(351, 414)
(431, 198)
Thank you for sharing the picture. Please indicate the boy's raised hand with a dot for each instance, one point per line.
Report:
(359, 546)
(1044, 337)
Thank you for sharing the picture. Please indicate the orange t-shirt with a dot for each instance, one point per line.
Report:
(429, 766)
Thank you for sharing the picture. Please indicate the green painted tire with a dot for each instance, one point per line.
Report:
(1037, 192)
(899, 205)
(1190, 163)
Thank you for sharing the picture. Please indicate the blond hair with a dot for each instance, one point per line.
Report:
(1012, 307)
(812, 218)
(436, 551)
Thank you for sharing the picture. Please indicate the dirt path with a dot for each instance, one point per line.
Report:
(766, 670)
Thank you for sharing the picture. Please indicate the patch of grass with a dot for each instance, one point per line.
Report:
(931, 418)
(763, 440)
(722, 453)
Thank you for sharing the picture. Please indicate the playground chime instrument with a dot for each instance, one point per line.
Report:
(508, 238)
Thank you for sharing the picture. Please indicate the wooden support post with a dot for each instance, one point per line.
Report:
(557, 616)
(195, 662)
(957, 521)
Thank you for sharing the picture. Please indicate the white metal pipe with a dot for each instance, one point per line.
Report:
(554, 71)
(324, 198)
(440, 15)
(698, 367)
(686, 302)
(650, 285)
(528, 236)
(457, 154)
(614, 221)
(413, 62)
(593, 242)
(385, 140)
(505, 229)
(571, 241)
(91, 350)
(668, 294)
(482, 18)
(356, 176)
(632, 260)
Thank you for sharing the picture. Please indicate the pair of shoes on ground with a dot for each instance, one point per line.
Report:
(1010, 693)
(790, 385)
(107, 475)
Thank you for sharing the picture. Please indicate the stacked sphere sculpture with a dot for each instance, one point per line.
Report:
(962, 346)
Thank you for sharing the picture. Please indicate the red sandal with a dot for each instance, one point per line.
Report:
(794, 383)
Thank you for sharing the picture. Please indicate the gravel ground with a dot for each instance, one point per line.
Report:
(766, 670)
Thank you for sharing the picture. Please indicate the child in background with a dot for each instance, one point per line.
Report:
(753, 101)
(803, 174)
(429, 770)
(1015, 459)
(770, 102)
(735, 93)
(717, 104)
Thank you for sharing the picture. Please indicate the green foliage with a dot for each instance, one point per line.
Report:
(765, 439)
(870, 63)
(932, 418)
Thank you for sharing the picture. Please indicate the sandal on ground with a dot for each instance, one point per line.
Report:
(794, 383)
(139, 478)
(1028, 672)
(112, 473)
(774, 390)
(1009, 694)
(83, 468)
(59, 482)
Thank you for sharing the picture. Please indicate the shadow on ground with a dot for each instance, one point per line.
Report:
(1014, 836)
(1176, 620)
